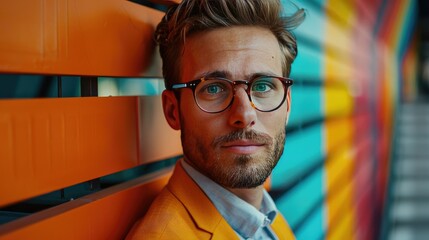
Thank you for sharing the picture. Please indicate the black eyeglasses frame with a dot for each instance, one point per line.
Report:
(287, 82)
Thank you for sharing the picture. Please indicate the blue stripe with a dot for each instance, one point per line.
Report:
(306, 105)
(313, 227)
(298, 202)
(303, 151)
(309, 63)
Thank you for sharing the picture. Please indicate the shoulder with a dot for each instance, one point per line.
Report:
(167, 218)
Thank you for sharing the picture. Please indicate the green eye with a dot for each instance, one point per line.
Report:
(213, 89)
(262, 86)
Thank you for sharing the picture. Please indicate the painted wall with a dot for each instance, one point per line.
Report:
(356, 61)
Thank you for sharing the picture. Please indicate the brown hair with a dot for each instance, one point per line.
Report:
(191, 16)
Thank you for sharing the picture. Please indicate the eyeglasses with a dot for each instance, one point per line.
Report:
(214, 95)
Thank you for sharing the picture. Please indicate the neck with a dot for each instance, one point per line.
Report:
(252, 196)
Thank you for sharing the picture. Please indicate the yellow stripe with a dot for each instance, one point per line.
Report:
(339, 133)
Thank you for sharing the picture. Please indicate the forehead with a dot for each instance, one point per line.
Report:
(238, 51)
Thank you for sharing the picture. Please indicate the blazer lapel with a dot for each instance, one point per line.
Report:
(203, 212)
(281, 228)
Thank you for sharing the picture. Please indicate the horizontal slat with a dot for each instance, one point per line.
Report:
(364, 213)
(339, 169)
(337, 132)
(313, 227)
(340, 17)
(108, 214)
(300, 201)
(109, 38)
(409, 232)
(363, 192)
(306, 105)
(344, 229)
(340, 210)
(308, 56)
(338, 101)
(312, 103)
(313, 27)
(48, 144)
(303, 150)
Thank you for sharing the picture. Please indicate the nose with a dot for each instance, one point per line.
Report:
(242, 112)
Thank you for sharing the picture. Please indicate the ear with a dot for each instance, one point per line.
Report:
(170, 106)
(289, 104)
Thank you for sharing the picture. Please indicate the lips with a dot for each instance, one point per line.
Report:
(243, 146)
(243, 142)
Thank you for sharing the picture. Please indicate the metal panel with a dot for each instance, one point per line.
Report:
(53, 143)
(108, 214)
(101, 38)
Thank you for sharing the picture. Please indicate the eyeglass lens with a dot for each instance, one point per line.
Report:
(215, 95)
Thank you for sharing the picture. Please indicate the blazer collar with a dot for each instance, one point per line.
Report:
(281, 228)
(203, 212)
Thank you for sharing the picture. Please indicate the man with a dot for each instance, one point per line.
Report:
(225, 64)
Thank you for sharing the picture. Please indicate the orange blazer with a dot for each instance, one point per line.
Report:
(183, 211)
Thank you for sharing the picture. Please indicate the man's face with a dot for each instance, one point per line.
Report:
(239, 147)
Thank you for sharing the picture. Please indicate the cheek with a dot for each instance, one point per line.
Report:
(188, 108)
(194, 122)
(274, 121)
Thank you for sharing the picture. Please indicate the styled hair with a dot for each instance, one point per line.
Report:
(193, 16)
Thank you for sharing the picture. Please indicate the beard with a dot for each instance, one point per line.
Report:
(233, 170)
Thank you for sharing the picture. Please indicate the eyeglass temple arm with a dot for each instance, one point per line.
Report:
(179, 85)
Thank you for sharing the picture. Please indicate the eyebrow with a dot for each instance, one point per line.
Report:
(226, 74)
(215, 74)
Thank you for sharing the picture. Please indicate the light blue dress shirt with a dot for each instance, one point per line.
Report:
(247, 221)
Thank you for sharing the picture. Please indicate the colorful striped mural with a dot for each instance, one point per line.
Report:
(356, 60)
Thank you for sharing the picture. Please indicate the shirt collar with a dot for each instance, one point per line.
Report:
(244, 218)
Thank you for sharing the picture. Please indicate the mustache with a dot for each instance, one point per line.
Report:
(252, 135)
